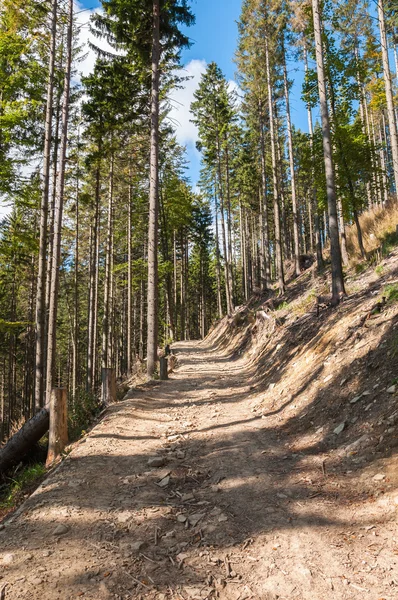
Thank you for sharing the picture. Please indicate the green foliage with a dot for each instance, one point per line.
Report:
(379, 270)
(84, 408)
(390, 292)
(23, 483)
(360, 268)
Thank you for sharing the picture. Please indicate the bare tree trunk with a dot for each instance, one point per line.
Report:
(335, 250)
(41, 275)
(229, 227)
(296, 253)
(93, 295)
(264, 205)
(152, 317)
(53, 307)
(218, 267)
(106, 324)
(383, 165)
(75, 361)
(318, 241)
(129, 277)
(278, 241)
(343, 237)
(392, 123)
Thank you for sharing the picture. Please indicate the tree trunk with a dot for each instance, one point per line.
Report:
(106, 324)
(75, 365)
(152, 344)
(218, 267)
(392, 123)
(58, 434)
(296, 253)
(41, 275)
(335, 250)
(23, 440)
(264, 205)
(129, 277)
(93, 295)
(278, 241)
(318, 240)
(56, 255)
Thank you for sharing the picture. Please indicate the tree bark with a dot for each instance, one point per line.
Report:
(296, 240)
(41, 275)
(392, 123)
(56, 255)
(264, 204)
(218, 267)
(18, 446)
(335, 250)
(129, 277)
(106, 324)
(278, 241)
(58, 434)
(152, 344)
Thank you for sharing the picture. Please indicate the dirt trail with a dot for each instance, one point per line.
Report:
(232, 513)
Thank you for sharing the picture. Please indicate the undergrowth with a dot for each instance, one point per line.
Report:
(15, 488)
(81, 413)
(390, 292)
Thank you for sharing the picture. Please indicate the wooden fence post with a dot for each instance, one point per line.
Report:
(164, 369)
(108, 386)
(58, 434)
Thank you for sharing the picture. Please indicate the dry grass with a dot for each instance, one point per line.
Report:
(378, 227)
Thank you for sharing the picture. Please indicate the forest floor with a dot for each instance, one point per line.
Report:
(276, 472)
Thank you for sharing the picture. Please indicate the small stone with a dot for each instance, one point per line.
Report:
(156, 461)
(8, 559)
(355, 400)
(222, 518)
(47, 553)
(342, 382)
(182, 556)
(164, 482)
(339, 429)
(181, 518)
(328, 378)
(195, 518)
(366, 393)
(61, 530)
(379, 477)
(391, 390)
(187, 498)
(137, 546)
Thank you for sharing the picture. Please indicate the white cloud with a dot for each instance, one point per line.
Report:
(181, 100)
(82, 17)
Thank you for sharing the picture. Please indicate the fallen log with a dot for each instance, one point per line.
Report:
(20, 443)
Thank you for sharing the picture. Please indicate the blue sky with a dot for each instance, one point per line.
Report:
(214, 38)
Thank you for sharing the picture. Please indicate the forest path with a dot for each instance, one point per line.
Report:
(233, 513)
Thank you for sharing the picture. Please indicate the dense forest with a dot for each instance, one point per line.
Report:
(108, 251)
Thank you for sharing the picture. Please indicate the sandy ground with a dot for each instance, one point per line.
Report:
(233, 511)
